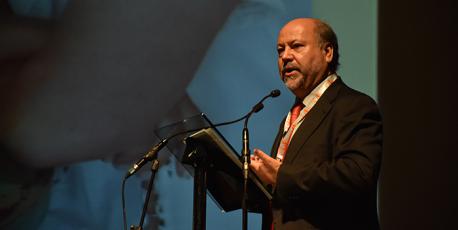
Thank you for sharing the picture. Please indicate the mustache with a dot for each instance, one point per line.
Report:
(288, 67)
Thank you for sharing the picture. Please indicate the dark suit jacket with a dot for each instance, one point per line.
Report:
(328, 178)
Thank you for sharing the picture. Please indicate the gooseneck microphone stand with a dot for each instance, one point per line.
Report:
(151, 155)
(246, 156)
(246, 163)
(154, 169)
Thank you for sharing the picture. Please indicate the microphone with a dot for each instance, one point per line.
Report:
(275, 93)
(256, 108)
(149, 156)
(245, 137)
(259, 106)
(152, 153)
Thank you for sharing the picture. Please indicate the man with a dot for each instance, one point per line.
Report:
(327, 153)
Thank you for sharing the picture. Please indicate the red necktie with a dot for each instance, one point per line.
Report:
(295, 111)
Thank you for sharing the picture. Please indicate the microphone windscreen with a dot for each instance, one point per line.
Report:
(275, 93)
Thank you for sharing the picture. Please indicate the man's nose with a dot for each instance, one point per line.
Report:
(286, 55)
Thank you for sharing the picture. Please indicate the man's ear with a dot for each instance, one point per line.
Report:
(328, 52)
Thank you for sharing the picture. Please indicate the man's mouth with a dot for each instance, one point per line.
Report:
(289, 73)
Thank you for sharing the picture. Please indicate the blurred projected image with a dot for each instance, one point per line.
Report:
(85, 83)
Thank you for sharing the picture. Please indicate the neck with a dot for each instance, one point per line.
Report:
(301, 95)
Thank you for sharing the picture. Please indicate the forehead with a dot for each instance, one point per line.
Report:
(297, 31)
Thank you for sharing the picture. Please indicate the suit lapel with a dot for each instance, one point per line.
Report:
(312, 120)
(274, 150)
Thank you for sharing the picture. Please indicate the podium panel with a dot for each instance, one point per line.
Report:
(209, 149)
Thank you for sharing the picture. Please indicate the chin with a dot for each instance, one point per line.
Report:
(295, 82)
(296, 85)
(293, 88)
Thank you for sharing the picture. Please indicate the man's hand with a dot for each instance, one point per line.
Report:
(265, 167)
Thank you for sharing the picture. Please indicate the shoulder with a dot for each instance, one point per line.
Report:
(347, 94)
(350, 101)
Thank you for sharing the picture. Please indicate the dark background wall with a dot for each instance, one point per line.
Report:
(417, 94)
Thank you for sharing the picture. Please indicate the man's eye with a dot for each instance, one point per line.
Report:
(280, 51)
(297, 45)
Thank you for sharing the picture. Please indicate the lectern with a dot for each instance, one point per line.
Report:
(215, 166)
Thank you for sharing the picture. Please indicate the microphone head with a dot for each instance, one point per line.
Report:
(275, 93)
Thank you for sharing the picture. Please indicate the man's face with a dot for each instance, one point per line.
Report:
(302, 61)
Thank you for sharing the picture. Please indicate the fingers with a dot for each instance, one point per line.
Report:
(255, 161)
(261, 155)
(253, 158)
(264, 166)
(258, 152)
(256, 166)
